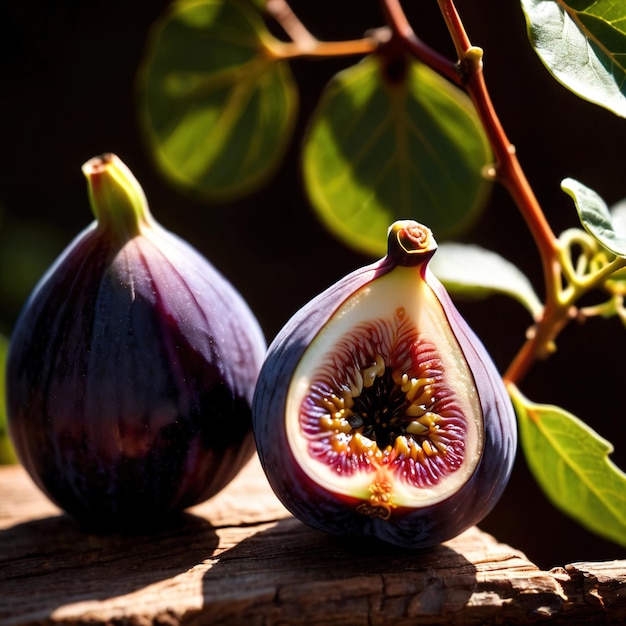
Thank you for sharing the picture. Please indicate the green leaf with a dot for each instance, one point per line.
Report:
(618, 218)
(470, 270)
(583, 45)
(217, 106)
(7, 453)
(595, 216)
(570, 462)
(389, 140)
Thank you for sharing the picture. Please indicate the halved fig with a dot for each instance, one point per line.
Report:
(379, 412)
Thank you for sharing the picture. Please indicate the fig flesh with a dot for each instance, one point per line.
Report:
(378, 412)
(132, 367)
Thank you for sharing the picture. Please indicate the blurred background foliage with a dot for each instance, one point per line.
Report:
(68, 92)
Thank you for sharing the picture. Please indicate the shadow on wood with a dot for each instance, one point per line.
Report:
(288, 573)
(50, 562)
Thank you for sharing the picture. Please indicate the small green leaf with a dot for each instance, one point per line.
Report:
(7, 453)
(389, 140)
(583, 45)
(570, 462)
(470, 270)
(218, 108)
(595, 216)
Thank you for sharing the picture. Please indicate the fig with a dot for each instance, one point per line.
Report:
(378, 412)
(131, 368)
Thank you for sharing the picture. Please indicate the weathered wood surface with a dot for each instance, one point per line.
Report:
(242, 559)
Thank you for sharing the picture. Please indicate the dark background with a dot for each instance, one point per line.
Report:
(67, 71)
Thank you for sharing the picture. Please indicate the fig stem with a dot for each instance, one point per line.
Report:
(117, 199)
(410, 243)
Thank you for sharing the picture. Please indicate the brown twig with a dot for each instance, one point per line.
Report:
(304, 43)
(508, 171)
(468, 73)
(402, 29)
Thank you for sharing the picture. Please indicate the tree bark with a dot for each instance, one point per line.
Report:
(240, 558)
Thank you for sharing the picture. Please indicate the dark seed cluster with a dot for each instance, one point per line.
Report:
(380, 411)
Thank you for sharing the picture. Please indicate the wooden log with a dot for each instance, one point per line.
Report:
(240, 558)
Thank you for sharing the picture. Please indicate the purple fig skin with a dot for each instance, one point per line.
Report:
(335, 513)
(130, 378)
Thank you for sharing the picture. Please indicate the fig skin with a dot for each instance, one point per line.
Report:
(336, 513)
(131, 369)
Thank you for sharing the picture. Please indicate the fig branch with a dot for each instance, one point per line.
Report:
(560, 299)
(403, 31)
(562, 287)
(468, 74)
(304, 43)
(508, 171)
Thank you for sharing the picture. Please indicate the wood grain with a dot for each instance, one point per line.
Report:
(240, 558)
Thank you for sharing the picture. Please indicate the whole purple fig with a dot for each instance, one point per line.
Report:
(132, 367)
(378, 412)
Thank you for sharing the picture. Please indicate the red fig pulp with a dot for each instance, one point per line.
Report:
(379, 412)
(132, 367)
